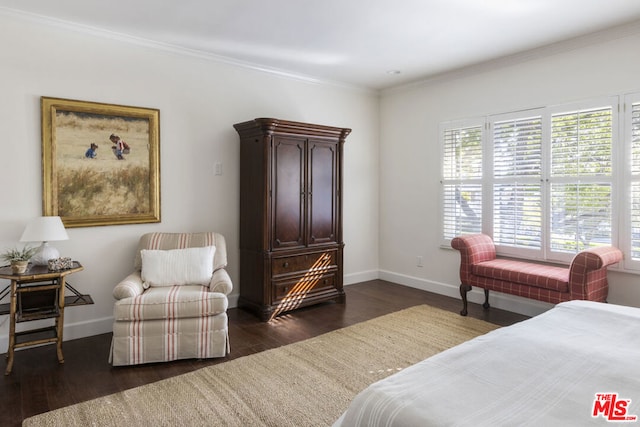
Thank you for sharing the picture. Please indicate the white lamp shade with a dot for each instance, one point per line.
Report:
(44, 229)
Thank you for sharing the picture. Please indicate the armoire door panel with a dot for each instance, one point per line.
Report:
(322, 189)
(288, 193)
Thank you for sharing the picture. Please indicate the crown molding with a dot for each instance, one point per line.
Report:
(172, 48)
(579, 42)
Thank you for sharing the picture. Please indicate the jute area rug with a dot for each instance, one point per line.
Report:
(309, 383)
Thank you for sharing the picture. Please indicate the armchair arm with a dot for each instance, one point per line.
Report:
(131, 286)
(474, 248)
(221, 282)
(588, 272)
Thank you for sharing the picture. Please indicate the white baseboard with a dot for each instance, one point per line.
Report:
(72, 331)
(363, 276)
(498, 300)
(502, 301)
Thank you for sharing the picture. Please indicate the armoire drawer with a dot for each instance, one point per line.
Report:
(302, 286)
(316, 262)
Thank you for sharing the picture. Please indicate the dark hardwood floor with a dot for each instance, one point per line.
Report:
(39, 384)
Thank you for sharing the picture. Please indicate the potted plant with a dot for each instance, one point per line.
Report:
(19, 258)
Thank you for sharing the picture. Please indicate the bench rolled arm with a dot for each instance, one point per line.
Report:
(474, 248)
(588, 272)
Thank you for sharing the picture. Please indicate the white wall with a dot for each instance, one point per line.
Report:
(199, 100)
(409, 173)
(391, 157)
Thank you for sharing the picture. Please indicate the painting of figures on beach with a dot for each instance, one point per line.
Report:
(101, 163)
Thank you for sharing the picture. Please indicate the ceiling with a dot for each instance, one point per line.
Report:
(372, 44)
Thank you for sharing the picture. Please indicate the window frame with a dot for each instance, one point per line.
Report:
(619, 179)
(582, 106)
(492, 180)
(478, 122)
(625, 217)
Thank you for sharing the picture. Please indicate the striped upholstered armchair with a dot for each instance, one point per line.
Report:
(174, 305)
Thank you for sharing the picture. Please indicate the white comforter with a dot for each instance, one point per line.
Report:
(544, 371)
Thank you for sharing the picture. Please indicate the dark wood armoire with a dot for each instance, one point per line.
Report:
(290, 215)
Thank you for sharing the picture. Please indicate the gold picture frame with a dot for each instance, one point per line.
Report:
(100, 163)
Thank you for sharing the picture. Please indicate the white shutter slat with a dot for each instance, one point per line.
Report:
(635, 220)
(463, 153)
(581, 143)
(635, 182)
(461, 181)
(517, 191)
(517, 215)
(462, 209)
(635, 139)
(580, 216)
(581, 157)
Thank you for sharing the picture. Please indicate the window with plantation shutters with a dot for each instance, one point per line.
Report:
(462, 170)
(632, 129)
(546, 183)
(517, 181)
(581, 184)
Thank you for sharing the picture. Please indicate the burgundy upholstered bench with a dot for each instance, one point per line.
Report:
(584, 279)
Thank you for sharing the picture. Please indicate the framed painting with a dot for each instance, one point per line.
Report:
(100, 163)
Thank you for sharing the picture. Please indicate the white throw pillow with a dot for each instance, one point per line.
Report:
(190, 266)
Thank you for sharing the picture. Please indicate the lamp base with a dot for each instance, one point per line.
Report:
(44, 254)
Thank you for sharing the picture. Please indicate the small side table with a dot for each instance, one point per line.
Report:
(37, 294)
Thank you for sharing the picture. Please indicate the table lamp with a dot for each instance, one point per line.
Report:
(44, 229)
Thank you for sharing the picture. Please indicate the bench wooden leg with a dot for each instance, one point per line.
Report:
(486, 305)
(463, 293)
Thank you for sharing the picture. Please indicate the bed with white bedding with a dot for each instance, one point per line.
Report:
(544, 371)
